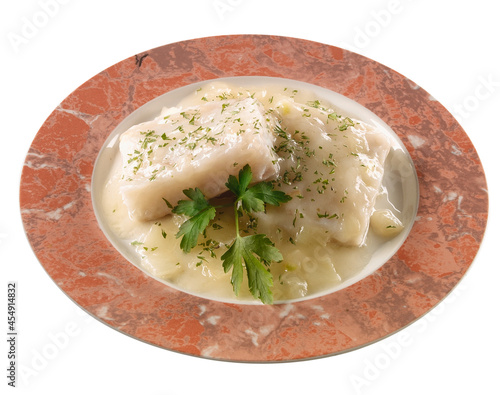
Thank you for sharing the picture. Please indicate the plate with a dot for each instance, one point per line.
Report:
(61, 225)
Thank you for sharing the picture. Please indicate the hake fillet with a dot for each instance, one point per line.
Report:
(194, 147)
(333, 166)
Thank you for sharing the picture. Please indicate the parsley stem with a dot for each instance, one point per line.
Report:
(236, 218)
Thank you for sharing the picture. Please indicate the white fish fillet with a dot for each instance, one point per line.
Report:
(333, 166)
(198, 146)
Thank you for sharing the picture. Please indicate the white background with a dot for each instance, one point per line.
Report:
(450, 48)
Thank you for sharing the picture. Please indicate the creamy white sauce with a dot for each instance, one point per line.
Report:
(343, 222)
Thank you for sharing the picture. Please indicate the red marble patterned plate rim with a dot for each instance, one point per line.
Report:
(61, 227)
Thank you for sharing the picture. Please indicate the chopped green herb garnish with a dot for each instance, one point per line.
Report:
(169, 205)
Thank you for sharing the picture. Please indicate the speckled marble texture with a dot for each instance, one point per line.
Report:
(59, 220)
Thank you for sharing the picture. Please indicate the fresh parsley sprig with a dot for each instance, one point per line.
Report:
(253, 252)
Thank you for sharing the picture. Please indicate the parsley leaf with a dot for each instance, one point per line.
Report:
(245, 249)
(254, 198)
(197, 203)
(239, 185)
(201, 212)
(257, 196)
